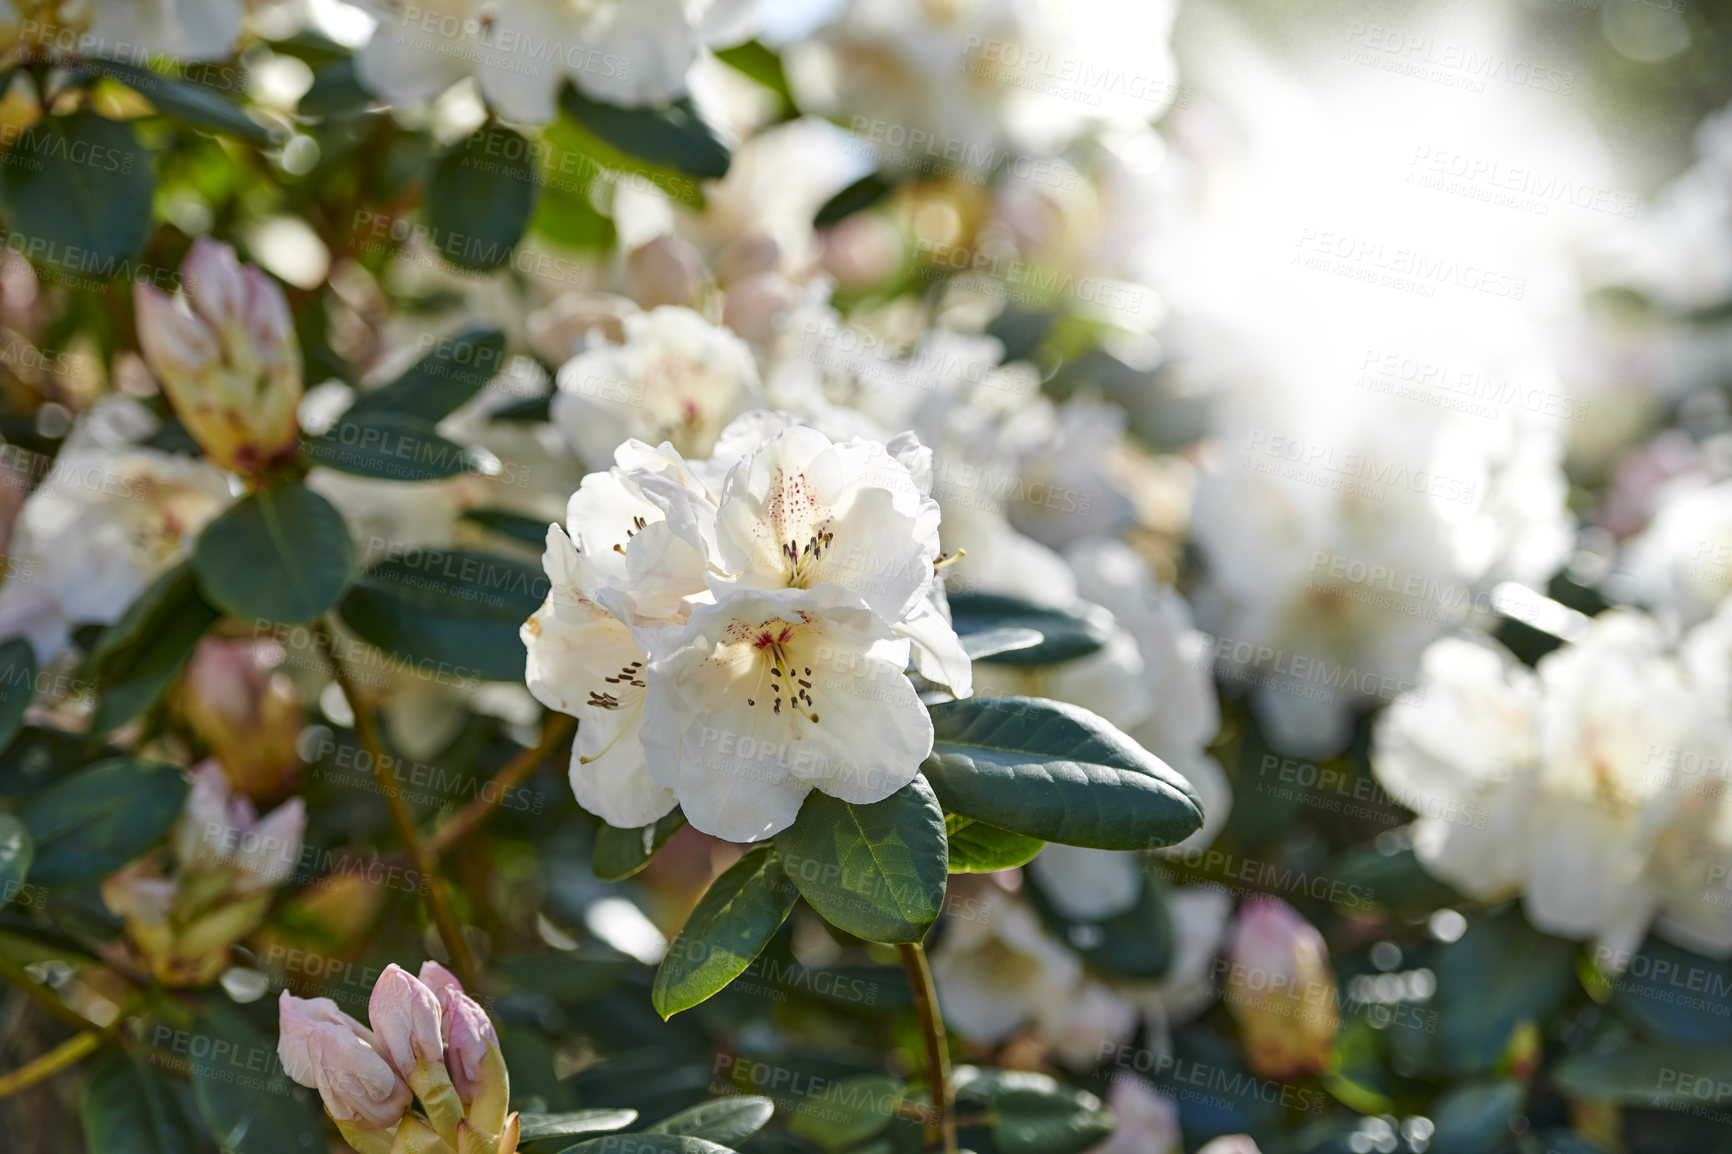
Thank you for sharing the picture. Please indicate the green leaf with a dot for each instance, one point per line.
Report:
(186, 101)
(1056, 772)
(90, 823)
(138, 657)
(676, 137)
(849, 1110)
(536, 1126)
(978, 848)
(862, 194)
(1657, 1075)
(16, 850)
(1500, 973)
(437, 385)
(760, 63)
(79, 190)
(129, 1108)
(17, 686)
(248, 1103)
(1066, 634)
(390, 447)
(640, 1143)
(1032, 1113)
(730, 926)
(516, 526)
(452, 612)
(282, 555)
(1475, 1118)
(620, 853)
(336, 91)
(728, 1121)
(1678, 994)
(480, 197)
(877, 871)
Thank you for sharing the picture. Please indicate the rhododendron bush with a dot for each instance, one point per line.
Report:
(865, 577)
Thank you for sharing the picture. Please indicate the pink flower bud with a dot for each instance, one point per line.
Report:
(227, 358)
(439, 979)
(1282, 991)
(666, 271)
(323, 1048)
(471, 1036)
(249, 717)
(406, 1017)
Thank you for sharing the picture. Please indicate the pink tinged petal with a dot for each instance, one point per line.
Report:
(439, 979)
(175, 345)
(216, 285)
(298, 1019)
(269, 850)
(471, 1036)
(406, 1017)
(355, 1083)
(267, 312)
(206, 832)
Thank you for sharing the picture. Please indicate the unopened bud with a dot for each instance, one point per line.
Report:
(1281, 990)
(249, 717)
(227, 358)
(323, 1048)
(405, 1015)
(666, 271)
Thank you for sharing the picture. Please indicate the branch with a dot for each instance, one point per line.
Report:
(426, 860)
(942, 1126)
(555, 732)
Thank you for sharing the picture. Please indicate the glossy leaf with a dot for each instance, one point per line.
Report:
(730, 926)
(90, 823)
(620, 853)
(282, 555)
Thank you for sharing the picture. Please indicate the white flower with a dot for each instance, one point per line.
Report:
(1581, 788)
(803, 511)
(997, 969)
(182, 29)
(106, 520)
(521, 52)
(764, 696)
(676, 378)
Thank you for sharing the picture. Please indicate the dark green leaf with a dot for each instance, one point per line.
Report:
(728, 1121)
(1659, 1075)
(138, 657)
(862, 194)
(17, 686)
(730, 926)
(389, 447)
(249, 1104)
(676, 137)
(336, 91)
(1032, 1113)
(640, 1143)
(1475, 1118)
(1066, 634)
(1681, 995)
(1056, 772)
(620, 853)
(480, 197)
(978, 848)
(281, 555)
(1500, 973)
(536, 1126)
(877, 871)
(79, 190)
(454, 613)
(527, 530)
(129, 1108)
(849, 1110)
(90, 823)
(186, 101)
(437, 385)
(16, 850)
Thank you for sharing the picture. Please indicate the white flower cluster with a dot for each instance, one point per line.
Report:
(734, 632)
(1596, 786)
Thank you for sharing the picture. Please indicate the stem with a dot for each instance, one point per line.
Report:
(555, 732)
(941, 1127)
(47, 1065)
(426, 861)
